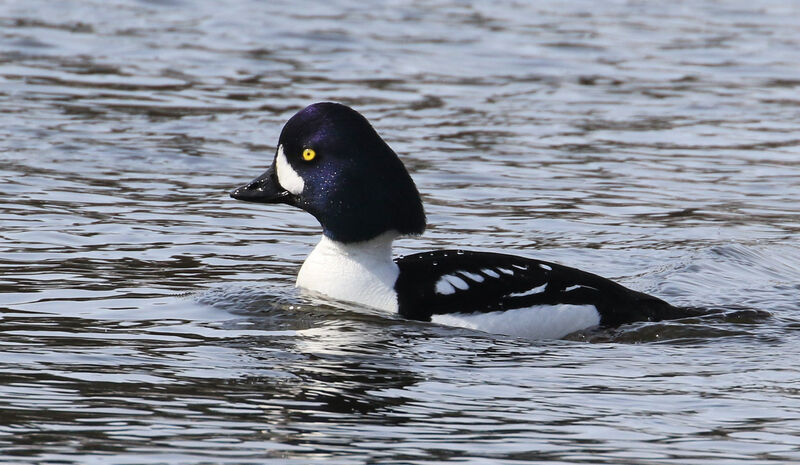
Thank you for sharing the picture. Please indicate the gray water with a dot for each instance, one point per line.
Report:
(147, 318)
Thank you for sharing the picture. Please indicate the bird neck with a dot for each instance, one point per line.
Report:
(361, 272)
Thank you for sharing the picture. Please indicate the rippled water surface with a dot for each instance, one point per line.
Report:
(145, 317)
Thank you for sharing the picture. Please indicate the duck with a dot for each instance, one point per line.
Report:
(332, 163)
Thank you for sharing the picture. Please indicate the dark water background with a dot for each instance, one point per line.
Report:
(147, 318)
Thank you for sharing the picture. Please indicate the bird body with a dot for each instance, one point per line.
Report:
(331, 163)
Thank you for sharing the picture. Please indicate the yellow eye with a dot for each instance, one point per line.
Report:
(309, 154)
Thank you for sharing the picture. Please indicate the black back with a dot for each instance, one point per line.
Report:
(419, 300)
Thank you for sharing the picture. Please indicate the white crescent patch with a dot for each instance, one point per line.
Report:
(287, 176)
(448, 284)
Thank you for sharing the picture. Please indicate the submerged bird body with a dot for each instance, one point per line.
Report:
(331, 163)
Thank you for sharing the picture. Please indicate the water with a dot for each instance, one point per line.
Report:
(148, 318)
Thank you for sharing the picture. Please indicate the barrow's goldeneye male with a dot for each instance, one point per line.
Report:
(331, 163)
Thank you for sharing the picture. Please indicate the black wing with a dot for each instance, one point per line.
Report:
(459, 281)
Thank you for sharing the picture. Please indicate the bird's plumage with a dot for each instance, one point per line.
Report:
(332, 163)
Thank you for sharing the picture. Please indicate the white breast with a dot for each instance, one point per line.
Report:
(361, 272)
(537, 322)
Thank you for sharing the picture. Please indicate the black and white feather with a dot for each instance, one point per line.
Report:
(466, 282)
(330, 162)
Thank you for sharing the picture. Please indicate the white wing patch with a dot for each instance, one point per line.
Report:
(490, 273)
(545, 267)
(457, 282)
(444, 288)
(474, 277)
(578, 286)
(448, 283)
(535, 290)
(287, 176)
(536, 322)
